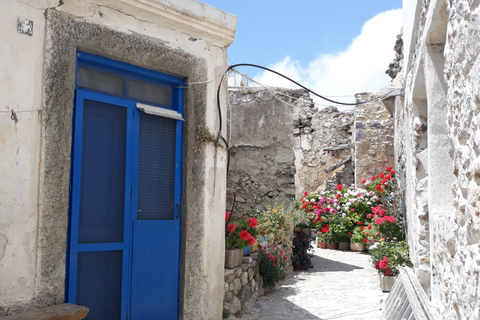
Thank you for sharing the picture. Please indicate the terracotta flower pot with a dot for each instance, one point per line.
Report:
(233, 258)
(322, 244)
(355, 246)
(343, 246)
(332, 246)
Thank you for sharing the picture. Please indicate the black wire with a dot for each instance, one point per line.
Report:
(298, 84)
(219, 135)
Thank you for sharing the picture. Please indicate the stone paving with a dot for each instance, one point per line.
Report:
(341, 285)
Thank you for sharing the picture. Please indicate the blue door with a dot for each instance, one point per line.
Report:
(125, 208)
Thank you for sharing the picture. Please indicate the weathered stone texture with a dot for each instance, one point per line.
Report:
(316, 129)
(438, 128)
(262, 164)
(373, 131)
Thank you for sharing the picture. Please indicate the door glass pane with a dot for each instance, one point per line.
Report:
(99, 283)
(156, 168)
(102, 192)
(100, 81)
(150, 92)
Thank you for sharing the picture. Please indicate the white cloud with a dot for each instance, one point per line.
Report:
(359, 68)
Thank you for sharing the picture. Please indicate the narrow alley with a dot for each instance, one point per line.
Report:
(342, 285)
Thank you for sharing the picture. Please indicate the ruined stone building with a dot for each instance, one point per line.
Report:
(91, 212)
(437, 148)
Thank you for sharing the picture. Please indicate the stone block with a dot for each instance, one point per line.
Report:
(360, 135)
(233, 258)
(251, 273)
(238, 272)
(235, 306)
(230, 278)
(237, 285)
(247, 260)
(244, 278)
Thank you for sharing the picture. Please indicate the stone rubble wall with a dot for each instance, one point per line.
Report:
(262, 163)
(440, 126)
(373, 130)
(316, 129)
(244, 285)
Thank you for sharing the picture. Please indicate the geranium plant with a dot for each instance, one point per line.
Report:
(388, 256)
(272, 265)
(239, 233)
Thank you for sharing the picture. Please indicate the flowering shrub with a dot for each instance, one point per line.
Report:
(386, 257)
(372, 207)
(277, 219)
(272, 265)
(239, 233)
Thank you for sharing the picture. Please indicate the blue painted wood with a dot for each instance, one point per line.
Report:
(150, 249)
(155, 269)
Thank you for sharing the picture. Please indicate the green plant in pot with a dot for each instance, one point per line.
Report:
(238, 235)
(357, 242)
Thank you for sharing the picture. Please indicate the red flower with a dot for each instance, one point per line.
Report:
(379, 187)
(362, 228)
(306, 193)
(339, 187)
(373, 178)
(388, 169)
(352, 210)
(359, 223)
(269, 253)
(338, 196)
(285, 258)
(365, 240)
(392, 172)
(274, 264)
(227, 216)
(349, 233)
(244, 235)
(363, 181)
(251, 241)
(387, 272)
(382, 175)
(232, 227)
(369, 226)
(252, 222)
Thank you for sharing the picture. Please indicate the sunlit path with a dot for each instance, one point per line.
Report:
(341, 285)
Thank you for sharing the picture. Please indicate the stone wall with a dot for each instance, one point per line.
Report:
(244, 284)
(315, 130)
(277, 140)
(373, 131)
(262, 164)
(440, 125)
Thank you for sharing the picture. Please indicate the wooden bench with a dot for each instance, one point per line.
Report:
(64, 311)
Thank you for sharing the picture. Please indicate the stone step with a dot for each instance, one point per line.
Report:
(65, 311)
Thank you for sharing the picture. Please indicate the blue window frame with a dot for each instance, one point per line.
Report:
(105, 106)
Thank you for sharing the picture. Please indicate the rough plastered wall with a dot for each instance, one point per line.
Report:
(314, 130)
(262, 163)
(37, 82)
(442, 105)
(373, 132)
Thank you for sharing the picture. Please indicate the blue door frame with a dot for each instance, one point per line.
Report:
(149, 252)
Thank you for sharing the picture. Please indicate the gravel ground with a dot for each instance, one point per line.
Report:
(341, 285)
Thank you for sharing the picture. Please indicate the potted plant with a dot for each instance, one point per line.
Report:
(357, 242)
(301, 245)
(387, 257)
(321, 241)
(238, 235)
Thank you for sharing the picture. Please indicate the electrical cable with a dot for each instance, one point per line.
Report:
(232, 67)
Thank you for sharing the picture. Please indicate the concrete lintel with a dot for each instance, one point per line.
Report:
(189, 16)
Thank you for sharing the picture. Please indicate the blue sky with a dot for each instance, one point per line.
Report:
(316, 40)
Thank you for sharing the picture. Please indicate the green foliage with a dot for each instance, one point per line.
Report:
(386, 257)
(225, 314)
(277, 218)
(272, 265)
(301, 245)
(357, 235)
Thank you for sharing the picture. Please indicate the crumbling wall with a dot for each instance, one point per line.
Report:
(315, 130)
(373, 137)
(262, 163)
